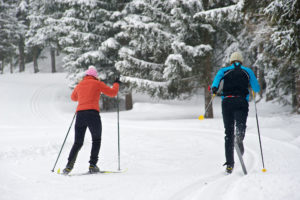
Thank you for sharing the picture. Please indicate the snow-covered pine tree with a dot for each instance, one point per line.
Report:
(22, 28)
(220, 24)
(35, 41)
(256, 33)
(44, 29)
(89, 38)
(8, 34)
(163, 52)
(272, 26)
(224, 22)
(147, 45)
(50, 13)
(283, 49)
(193, 41)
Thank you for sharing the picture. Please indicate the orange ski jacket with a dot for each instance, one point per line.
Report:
(88, 92)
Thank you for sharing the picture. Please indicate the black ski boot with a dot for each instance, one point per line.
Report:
(67, 170)
(229, 168)
(94, 169)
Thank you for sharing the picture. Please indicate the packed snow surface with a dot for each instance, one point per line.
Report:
(168, 153)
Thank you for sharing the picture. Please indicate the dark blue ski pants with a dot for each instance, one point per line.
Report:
(235, 113)
(86, 119)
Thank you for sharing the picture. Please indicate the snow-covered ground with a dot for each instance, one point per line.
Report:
(168, 152)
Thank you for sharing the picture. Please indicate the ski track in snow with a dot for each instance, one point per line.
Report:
(205, 187)
(167, 158)
(37, 108)
(45, 111)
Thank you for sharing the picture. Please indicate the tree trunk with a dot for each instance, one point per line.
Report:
(205, 4)
(262, 81)
(105, 105)
(35, 61)
(2, 66)
(207, 76)
(295, 89)
(128, 101)
(53, 67)
(298, 94)
(11, 66)
(21, 55)
(261, 74)
(108, 104)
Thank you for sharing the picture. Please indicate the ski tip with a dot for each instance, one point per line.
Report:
(123, 170)
(201, 117)
(110, 172)
(264, 170)
(58, 171)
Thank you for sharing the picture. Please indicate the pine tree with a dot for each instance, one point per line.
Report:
(148, 45)
(89, 37)
(284, 47)
(21, 30)
(44, 29)
(8, 34)
(172, 45)
(163, 49)
(275, 43)
(35, 41)
(220, 27)
(51, 14)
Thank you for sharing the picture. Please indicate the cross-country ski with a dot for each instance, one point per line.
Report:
(240, 156)
(96, 173)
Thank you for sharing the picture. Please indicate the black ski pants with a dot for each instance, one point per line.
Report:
(235, 113)
(84, 119)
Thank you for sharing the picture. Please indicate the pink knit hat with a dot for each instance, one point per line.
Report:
(92, 71)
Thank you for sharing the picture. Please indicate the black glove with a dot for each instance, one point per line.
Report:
(214, 90)
(118, 80)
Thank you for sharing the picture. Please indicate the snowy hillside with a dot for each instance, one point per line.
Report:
(168, 152)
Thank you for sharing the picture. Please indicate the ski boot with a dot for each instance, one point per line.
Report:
(229, 168)
(67, 170)
(94, 169)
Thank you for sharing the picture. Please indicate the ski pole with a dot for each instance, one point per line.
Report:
(63, 143)
(201, 117)
(259, 138)
(118, 133)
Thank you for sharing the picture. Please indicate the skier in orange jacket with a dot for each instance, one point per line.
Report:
(87, 93)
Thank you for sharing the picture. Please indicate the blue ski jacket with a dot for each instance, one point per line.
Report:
(236, 81)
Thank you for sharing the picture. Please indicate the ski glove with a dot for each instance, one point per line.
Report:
(118, 80)
(214, 90)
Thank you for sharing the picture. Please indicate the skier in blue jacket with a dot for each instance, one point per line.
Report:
(235, 106)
